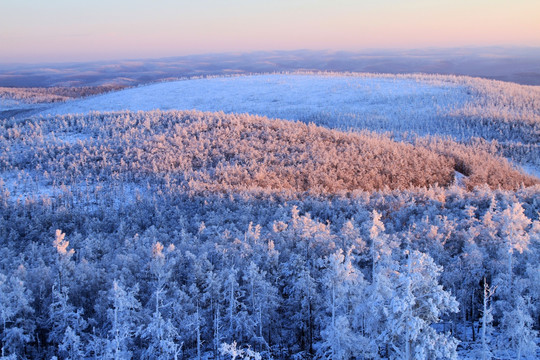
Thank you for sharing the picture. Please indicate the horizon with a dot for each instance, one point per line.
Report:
(60, 31)
(514, 64)
(507, 49)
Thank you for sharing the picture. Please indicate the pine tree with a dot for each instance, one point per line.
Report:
(261, 302)
(15, 311)
(513, 229)
(418, 302)
(375, 310)
(517, 329)
(163, 339)
(237, 353)
(344, 285)
(66, 325)
(301, 301)
(212, 295)
(234, 308)
(63, 259)
(487, 319)
(379, 249)
(122, 316)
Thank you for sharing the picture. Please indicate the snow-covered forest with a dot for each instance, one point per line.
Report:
(191, 235)
(36, 95)
(460, 107)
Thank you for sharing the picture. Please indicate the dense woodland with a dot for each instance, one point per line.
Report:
(187, 235)
(198, 152)
(38, 95)
(506, 115)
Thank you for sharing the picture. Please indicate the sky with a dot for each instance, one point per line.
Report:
(33, 31)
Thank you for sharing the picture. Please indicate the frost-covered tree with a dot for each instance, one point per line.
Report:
(417, 303)
(380, 248)
(466, 271)
(234, 352)
(15, 311)
(163, 339)
(261, 302)
(67, 325)
(196, 319)
(518, 334)
(375, 310)
(486, 321)
(63, 257)
(122, 316)
(344, 286)
(71, 345)
(301, 301)
(350, 237)
(513, 229)
(236, 320)
(212, 294)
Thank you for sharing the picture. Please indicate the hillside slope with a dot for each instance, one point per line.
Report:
(194, 152)
(237, 222)
(406, 105)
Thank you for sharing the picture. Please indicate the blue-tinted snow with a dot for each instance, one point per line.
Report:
(374, 102)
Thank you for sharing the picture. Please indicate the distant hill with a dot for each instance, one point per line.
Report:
(359, 204)
(515, 64)
(463, 108)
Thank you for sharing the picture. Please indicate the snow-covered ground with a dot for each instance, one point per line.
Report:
(8, 104)
(120, 240)
(338, 101)
(459, 107)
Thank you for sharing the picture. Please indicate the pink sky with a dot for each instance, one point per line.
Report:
(66, 30)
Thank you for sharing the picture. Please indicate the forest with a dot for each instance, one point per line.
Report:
(405, 106)
(192, 235)
(53, 94)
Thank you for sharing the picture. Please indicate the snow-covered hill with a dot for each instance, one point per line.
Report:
(387, 100)
(463, 108)
(295, 240)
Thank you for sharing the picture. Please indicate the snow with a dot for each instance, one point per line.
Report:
(459, 179)
(531, 170)
(338, 101)
(403, 105)
(12, 104)
(8, 104)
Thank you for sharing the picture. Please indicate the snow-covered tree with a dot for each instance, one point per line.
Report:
(261, 303)
(63, 257)
(417, 303)
(163, 339)
(344, 286)
(513, 229)
(122, 316)
(486, 321)
(66, 325)
(234, 352)
(235, 310)
(380, 249)
(518, 334)
(15, 310)
(212, 294)
(374, 312)
(301, 302)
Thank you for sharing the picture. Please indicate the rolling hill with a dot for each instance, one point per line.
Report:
(195, 152)
(463, 108)
(284, 212)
